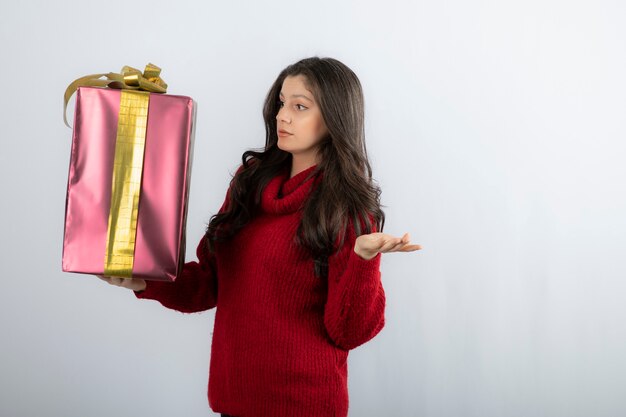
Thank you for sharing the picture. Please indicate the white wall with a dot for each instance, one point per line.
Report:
(496, 130)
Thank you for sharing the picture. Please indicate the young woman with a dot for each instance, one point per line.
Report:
(291, 260)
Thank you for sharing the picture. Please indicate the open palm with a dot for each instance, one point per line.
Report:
(369, 245)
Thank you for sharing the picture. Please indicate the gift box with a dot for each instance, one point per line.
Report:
(128, 183)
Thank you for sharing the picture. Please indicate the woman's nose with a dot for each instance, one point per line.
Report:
(283, 116)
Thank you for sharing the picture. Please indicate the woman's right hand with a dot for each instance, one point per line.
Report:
(135, 284)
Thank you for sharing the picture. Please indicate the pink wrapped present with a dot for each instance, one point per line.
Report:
(128, 184)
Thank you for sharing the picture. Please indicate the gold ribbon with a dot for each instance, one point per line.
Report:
(130, 78)
(126, 183)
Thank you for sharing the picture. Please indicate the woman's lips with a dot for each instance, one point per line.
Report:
(283, 133)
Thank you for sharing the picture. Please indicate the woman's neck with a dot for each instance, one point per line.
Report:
(299, 164)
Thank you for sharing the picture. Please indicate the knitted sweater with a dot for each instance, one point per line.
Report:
(281, 335)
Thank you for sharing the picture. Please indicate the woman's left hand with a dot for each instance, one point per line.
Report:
(368, 246)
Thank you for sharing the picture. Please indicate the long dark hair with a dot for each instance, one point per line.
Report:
(345, 192)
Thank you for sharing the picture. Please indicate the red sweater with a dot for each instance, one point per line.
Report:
(281, 335)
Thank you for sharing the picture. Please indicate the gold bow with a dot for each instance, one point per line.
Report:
(130, 78)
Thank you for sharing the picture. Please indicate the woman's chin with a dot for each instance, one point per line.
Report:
(282, 146)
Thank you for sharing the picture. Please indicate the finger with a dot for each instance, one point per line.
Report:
(400, 247)
(129, 283)
(119, 281)
(410, 248)
(110, 280)
(404, 247)
(389, 244)
(405, 238)
(125, 282)
(396, 247)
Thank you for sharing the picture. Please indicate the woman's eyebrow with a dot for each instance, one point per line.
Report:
(298, 95)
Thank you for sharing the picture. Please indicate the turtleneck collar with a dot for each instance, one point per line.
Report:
(284, 195)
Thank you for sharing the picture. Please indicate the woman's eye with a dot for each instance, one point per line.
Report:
(299, 106)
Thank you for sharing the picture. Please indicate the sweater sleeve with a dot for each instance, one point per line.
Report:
(355, 307)
(193, 291)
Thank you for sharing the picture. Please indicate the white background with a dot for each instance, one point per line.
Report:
(495, 128)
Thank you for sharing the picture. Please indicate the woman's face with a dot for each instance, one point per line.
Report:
(300, 116)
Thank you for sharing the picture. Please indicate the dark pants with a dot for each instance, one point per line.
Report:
(226, 415)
